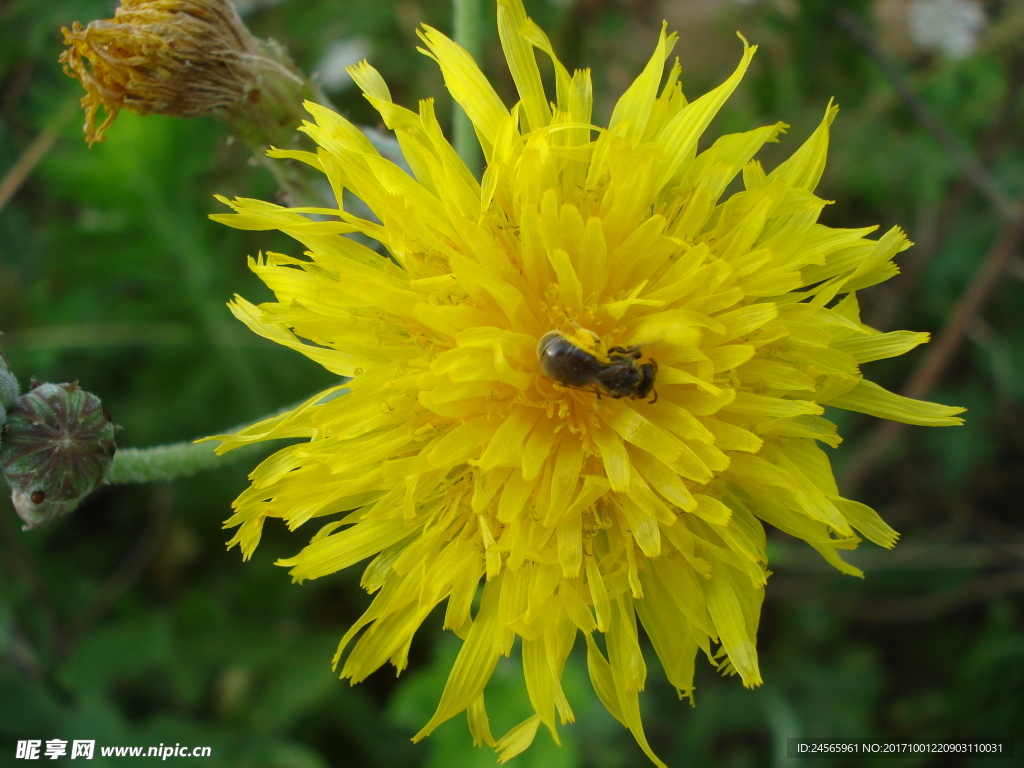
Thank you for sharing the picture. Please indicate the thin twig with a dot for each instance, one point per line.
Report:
(21, 169)
(791, 558)
(132, 566)
(969, 166)
(970, 302)
(17, 558)
(22, 655)
(916, 609)
(985, 279)
(937, 223)
(876, 608)
(946, 345)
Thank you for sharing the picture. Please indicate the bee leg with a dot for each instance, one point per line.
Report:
(655, 398)
(633, 352)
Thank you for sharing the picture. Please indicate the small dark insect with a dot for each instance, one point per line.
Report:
(621, 376)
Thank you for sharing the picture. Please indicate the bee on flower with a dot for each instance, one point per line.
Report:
(480, 461)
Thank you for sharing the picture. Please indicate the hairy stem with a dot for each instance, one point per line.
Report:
(169, 462)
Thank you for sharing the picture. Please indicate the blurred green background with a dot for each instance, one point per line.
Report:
(128, 623)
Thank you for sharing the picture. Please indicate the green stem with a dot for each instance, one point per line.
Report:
(467, 34)
(169, 462)
(162, 463)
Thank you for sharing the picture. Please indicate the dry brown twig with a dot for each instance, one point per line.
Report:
(942, 352)
(23, 166)
(916, 609)
(33, 153)
(133, 566)
(973, 299)
(964, 159)
(933, 228)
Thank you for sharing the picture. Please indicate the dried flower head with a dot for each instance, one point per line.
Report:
(579, 388)
(57, 444)
(183, 58)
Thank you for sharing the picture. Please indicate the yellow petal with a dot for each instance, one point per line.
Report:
(879, 346)
(806, 165)
(518, 739)
(867, 397)
(468, 85)
(680, 134)
(522, 63)
(474, 664)
(634, 106)
(726, 595)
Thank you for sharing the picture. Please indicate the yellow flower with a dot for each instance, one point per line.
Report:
(468, 470)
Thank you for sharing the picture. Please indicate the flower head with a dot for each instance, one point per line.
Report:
(565, 492)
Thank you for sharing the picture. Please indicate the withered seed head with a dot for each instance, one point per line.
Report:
(183, 58)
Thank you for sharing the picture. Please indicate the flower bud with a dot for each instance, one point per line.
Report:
(57, 444)
(183, 58)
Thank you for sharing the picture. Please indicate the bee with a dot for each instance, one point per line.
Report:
(572, 366)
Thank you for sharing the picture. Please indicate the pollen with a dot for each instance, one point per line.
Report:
(539, 508)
